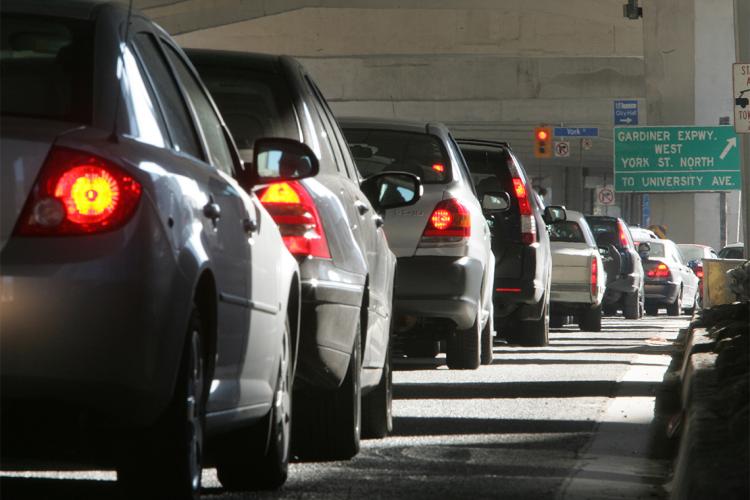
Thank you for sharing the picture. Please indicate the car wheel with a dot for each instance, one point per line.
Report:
(487, 342)
(464, 349)
(257, 458)
(377, 418)
(675, 308)
(652, 309)
(532, 333)
(591, 320)
(631, 305)
(556, 321)
(327, 424)
(176, 439)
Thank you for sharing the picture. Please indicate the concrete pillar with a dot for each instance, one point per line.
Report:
(688, 51)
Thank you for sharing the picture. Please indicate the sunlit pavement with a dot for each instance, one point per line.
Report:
(571, 420)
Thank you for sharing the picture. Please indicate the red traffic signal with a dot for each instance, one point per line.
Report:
(543, 142)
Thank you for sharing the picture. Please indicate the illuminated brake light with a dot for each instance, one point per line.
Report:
(78, 193)
(449, 222)
(594, 277)
(528, 223)
(293, 209)
(623, 237)
(699, 271)
(660, 271)
(439, 168)
(508, 290)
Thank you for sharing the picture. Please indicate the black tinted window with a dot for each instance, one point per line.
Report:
(253, 104)
(567, 231)
(46, 67)
(379, 150)
(488, 169)
(605, 231)
(179, 123)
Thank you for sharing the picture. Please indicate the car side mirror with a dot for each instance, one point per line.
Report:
(392, 190)
(644, 249)
(278, 159)
(496, 201)
(554, 213)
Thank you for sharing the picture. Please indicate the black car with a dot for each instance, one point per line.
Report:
(625, 288)
(520, 242)
(343, 379)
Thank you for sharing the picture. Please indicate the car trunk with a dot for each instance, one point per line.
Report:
(404, 226)
(571, 262)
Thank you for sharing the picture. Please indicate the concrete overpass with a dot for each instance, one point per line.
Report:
(495, 69)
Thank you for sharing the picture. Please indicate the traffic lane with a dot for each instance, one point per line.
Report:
(517, 428)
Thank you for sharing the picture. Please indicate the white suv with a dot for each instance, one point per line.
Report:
(444, 275)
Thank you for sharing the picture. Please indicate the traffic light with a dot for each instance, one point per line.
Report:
(543, 142)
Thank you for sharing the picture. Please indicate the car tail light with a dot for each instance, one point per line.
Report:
(624, 241)
(439, 168)
(594, 277)
(661, 271)
(699, 271)
(528, 223)
(293, 209)
(508, 290)
(78, 193)
(449, 222)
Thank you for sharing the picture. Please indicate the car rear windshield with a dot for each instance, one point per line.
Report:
(690, 253)
(254, 104)
(567, 231)
(731, 253)
(46, 67)
(605, 231)
(657, 249)
(376, 151)
(488, 168)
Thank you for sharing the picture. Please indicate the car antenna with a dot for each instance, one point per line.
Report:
(121, 68)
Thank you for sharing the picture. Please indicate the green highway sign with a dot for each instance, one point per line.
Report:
(663, 159)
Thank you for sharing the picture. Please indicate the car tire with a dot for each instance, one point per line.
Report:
(591, 320)
(488, 353)
(675, 308)
(327, 424)
(652, 309)
(377, 416)
(257, 458)
(631, 305)
(177, 438)
(464, 349)
(531, 333)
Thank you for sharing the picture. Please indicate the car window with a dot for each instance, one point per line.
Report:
(657, 249)
(254, 104)
(730, 253)
(179, 124)
(46, 67)
(328, 134)
(218, 150)
(691, 253)
(145, 123)
(376, 150)
(567, 231)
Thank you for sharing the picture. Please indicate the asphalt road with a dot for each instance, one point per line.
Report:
(571, 420)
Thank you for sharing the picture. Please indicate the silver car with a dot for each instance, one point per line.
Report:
(150, 309)
(444, 275)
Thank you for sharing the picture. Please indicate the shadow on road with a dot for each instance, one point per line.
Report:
(12, 488)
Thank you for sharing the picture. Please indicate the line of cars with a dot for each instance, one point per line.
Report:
(227, 270)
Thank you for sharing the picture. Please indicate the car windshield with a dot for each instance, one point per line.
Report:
(568, 231)
(691, 252)
(731, 253)
(46, 68)
(254, 104)
(379, 150)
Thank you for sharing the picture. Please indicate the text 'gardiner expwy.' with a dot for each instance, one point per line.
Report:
(664, 135)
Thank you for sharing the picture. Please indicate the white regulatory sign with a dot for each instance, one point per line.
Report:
(587, 143)
(562, 149)
(741, 81)
(605, 195)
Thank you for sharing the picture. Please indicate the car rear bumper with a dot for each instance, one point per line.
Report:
(330, 315)
(438, 287)
(99, 325)
(661, 292)
(616, 289)
(576, 293)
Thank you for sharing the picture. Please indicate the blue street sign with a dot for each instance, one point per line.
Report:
(576, 132)
(626, 112)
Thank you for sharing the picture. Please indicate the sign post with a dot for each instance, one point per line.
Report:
(676, 159)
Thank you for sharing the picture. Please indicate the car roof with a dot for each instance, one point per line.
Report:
(76, 9)
(390, 124)
(267, 63)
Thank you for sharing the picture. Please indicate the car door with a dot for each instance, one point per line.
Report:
(687, 276)
(248, 345)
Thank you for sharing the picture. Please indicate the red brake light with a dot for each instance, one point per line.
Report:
(439, 168)
(594, 277)
(449, 222)
(699, 271)
(660, 271)
(78, 193)
(528, 223)
(623, 237)
(293, 209)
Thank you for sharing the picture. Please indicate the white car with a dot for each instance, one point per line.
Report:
(578, 277)
(445, 270)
